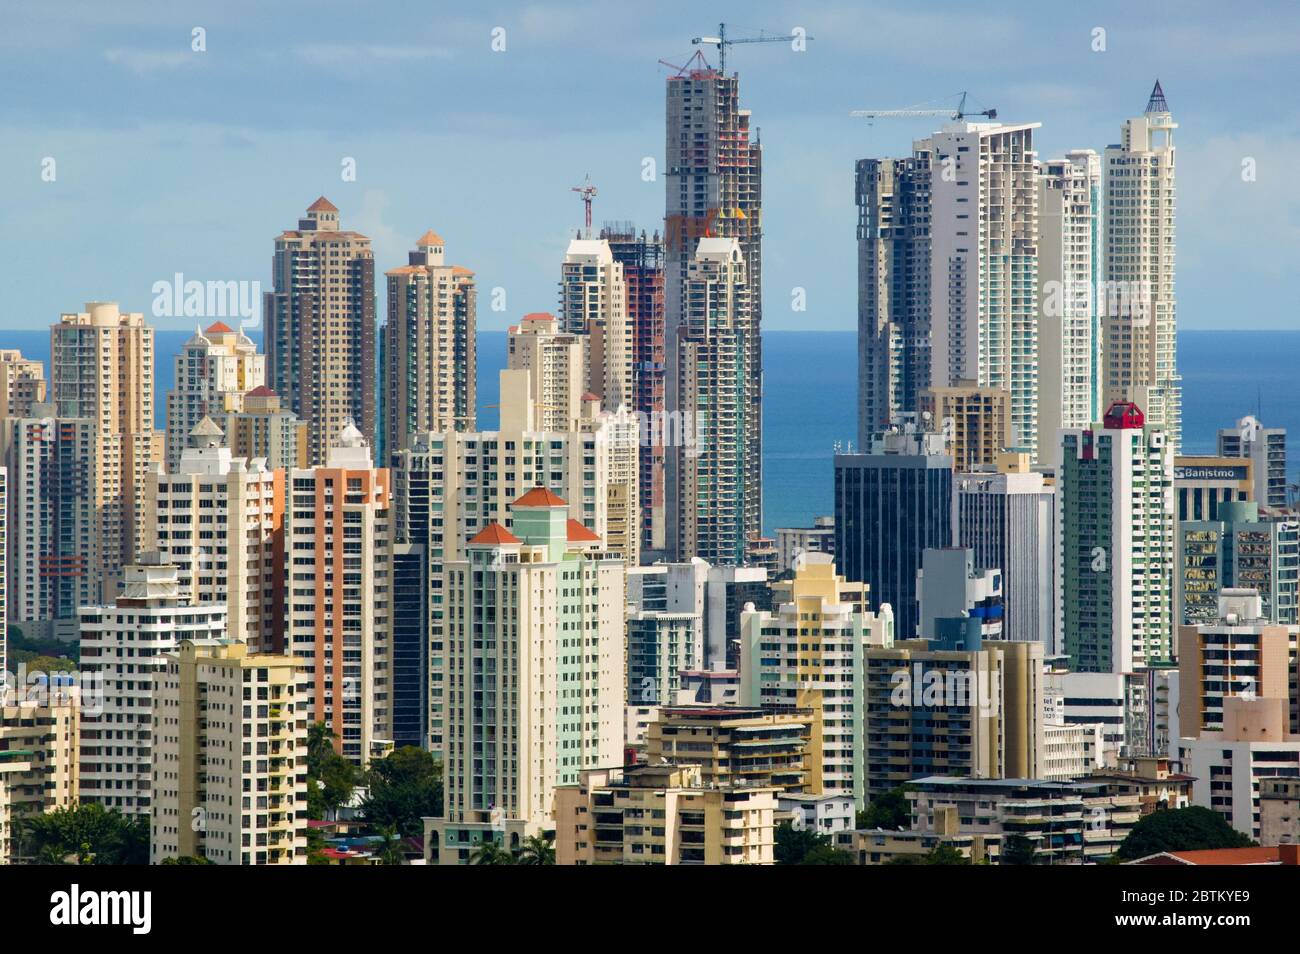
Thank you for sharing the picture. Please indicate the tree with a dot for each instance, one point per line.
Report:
(1017, 850)
(826, 855)
(794, 844)
(405, 788)
(537, 850)
(92, 833)
(1182, 829)
(331, 778)
(186, 860)
(389, 851)
(939, 855)
(490, 853)
(891, 811)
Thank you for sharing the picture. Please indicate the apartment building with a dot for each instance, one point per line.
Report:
(810, 653)
(264, 428)
(1115, 519)
(593, 305)
(976, 422)
(40, 728)
(1237, 550)
(338, 580)
(735, 745)
(123, 644)
(1265, 448)
(320, 326)
(213, 370)
(219, 520)
(102, 368)
(534, 676)
(22, 383)
(229, 756)
(662, 815)
(430, 354)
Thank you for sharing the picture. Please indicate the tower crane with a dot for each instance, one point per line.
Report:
(958, 113)
(588, 192)
(722, 42)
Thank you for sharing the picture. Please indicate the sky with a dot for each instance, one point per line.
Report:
(477, 119)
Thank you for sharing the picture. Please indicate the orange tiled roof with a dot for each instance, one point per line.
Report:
(430, 238)
(220, 328)
(322, 205)
(580, 534)
(1230, 856)
(540, 497)
(494, 534)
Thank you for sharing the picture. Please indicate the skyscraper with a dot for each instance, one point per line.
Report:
(264, 428)
(593, 304)
(1069, 323)
(1115, 520)
(430, 350)
(1139, 350)
(642, 259)
(102, 368)
(1265, 447)
(556, 366)
(213, 370)
(320, 326)
(713, 186)
(711, 494)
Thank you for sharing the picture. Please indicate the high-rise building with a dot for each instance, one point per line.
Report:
(218, 519)
(714, 493)
(229, 756)
(22, 384)
(411, 643)
(810, 653)
(953, 707)
(1265, 448)
(893, 199)
(1008, 518)
(665, 630)
(976, 421)
(593, 305)
(102, 368)
(214, 369)
(556, 367)
(984, 265)
(338, 583)
(1237, 551)
(792, 541)
(642, 259)
(451, 485)
(1115, 521)
(1069, 322)
(52, 558)
(124, 644)
(263, 428)
(320, 326)
(534, 675)
(430, 353)
(891, 503)
(1201, 484)
(949, 586)
(713, 192)
(1138, 347)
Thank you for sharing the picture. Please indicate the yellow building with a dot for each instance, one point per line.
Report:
(662, 815)
(229, 756)
(41, 733)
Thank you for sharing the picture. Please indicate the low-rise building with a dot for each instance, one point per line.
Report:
(824, 814)
(1279, 811)
(734, 745)
(665, 815)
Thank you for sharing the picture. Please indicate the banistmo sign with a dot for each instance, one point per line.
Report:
(75, 907)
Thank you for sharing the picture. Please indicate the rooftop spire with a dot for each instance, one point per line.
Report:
(1157, 104)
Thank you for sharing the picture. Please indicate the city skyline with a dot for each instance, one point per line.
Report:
(194, 145)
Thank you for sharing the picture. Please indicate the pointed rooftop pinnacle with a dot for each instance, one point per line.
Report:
(206, 428)
(1157, 104)
(430, 238)
(322, 205)
(219, 328)
(539, 497)
(349, 436)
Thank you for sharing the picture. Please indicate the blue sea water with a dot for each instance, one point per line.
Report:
(810, 387)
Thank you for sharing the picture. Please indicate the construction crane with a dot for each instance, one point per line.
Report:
(959, 113)
(588, 192)
(721, 42)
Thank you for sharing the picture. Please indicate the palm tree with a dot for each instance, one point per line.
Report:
(389, 851)
(537, 850)
(490, 853)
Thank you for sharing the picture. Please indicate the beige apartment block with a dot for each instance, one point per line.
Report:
(214, 369)
(265, 428)
(975, 420)
(430, 345)
(663, 815)
(22, 383)
(593, 304)
(556, 363)
(229, 756)
(102, 368)
(40, 728)
(735, 745)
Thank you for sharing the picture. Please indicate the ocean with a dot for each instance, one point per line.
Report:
(810, 389)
